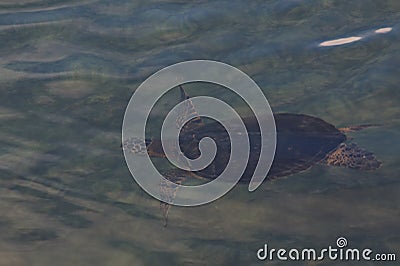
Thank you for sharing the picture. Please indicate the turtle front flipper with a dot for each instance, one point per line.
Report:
(190, 111)
(168, 191)
(352, 156)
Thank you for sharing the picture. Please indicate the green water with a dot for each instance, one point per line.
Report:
(69, 68)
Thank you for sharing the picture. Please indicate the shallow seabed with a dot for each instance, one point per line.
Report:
(68, 68)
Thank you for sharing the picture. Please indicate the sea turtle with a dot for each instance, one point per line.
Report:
(302, 141)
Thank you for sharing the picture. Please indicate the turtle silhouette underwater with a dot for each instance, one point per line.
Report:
(302, 141)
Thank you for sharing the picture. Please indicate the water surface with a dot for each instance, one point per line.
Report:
(68, 68)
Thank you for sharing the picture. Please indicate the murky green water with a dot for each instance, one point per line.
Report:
(68, 69)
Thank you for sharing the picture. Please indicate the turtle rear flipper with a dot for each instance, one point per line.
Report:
(352, 156)
(357, 127)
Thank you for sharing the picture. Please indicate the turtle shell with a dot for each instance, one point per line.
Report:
(302, 141)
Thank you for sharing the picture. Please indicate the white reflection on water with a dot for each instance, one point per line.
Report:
(352, 39)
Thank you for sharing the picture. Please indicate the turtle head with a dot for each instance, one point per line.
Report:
(152, 147)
